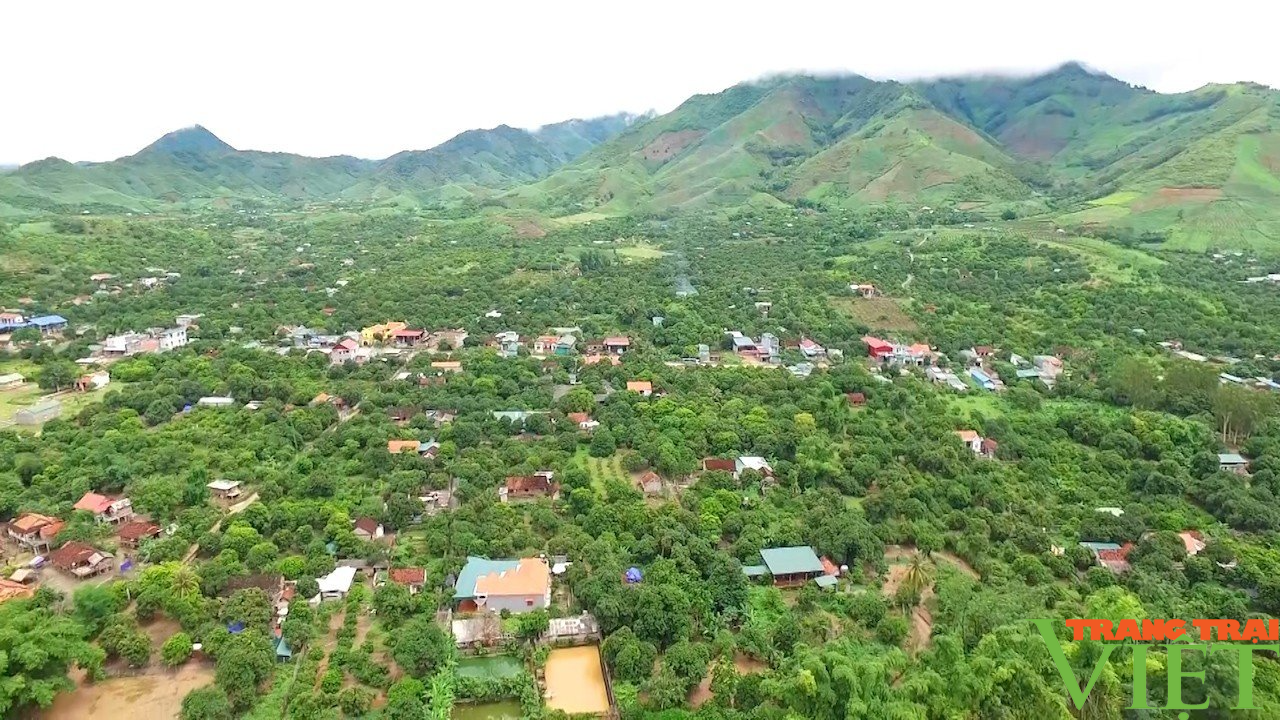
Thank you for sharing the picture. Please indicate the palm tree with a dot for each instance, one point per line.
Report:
(186, 584)
(919, 575)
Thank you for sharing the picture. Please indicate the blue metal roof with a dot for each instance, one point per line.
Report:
(45, 320)
(474, 569)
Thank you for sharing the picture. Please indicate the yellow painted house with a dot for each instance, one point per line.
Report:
(378, 333)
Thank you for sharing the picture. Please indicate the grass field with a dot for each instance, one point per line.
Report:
(641, 252)
(880, 313)
(978, 401)
(1106, 259)
(601, 469)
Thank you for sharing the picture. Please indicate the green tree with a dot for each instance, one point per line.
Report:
(207, 703)
(57, 375)
(39, 647)
(421, 646)
(176, 649)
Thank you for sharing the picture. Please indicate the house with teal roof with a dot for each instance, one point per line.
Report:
(788, 566)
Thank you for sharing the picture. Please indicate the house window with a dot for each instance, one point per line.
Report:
(528, 603)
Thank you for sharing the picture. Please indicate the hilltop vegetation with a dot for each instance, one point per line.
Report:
(1200, 169)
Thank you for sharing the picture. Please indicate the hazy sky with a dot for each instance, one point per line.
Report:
(98, 80)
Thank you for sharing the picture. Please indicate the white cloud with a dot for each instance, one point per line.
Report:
(94, 80)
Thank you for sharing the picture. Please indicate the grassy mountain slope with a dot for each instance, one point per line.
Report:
(824, 139)
(1202, 166)
(193, 167)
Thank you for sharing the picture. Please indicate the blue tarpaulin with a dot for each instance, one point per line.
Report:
(235, 627)
(633, 575)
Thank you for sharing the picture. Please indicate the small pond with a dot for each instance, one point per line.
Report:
(490, 666)
(505, 710)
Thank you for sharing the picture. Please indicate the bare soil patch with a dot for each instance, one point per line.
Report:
(1176, 196)
(669, 144)
(153, 696)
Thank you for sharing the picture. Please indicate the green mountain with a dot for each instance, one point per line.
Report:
(1072, 146)
(842, 140)
(193, 167)
(1203, 166)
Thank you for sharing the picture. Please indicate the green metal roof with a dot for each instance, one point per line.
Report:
(476, 567)
(826, 582)
(755, 570)
(791, 560)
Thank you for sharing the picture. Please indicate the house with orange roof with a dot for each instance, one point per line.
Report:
(395, 447)
(105, 509)
(643, 387)
(134, 532)
(35, 531)
(971, 439)
(447, 366)
(495, 585)
(1193, 541)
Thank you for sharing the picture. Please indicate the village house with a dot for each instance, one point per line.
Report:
(38, 414)
(649, 483)
(811, 349)
(10, 381)
(366, 528)
(447, 339)
(1234, 463)
(644, 388)
(896, 354)
(1192, 541)
(856, 398)
(344, 351)
(529, 487)
(397, 447)
(865, 291)
(126, 344)
(598, 358)
(616, 345)
(81, 560)
(335, 585)
(751, 462)
(942, 376)
(381, 332)
(12, 589)
(984, 379)
(408, 338)
(495, 585)
(48, 324)
(35, 531)
(105, 509)
(93, 381)
(1110, 555)
(583, 421)
(403, 414)
(412, 578)
(225, 491)
(720, 464)
(788, 566)
(980, 446)
(216, 401)
(172, 338)
(134, 532)
(507, 343)
(10, 321)
(447, 366)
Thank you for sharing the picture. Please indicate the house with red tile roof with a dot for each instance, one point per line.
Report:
(412, 578)
(722, 464)
(368, 529)
(105, 509)
(81, 560)
(617, 344)
(643, 387)
(134, 532)
(527, 487)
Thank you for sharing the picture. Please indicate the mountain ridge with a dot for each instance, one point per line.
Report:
(1087, 147)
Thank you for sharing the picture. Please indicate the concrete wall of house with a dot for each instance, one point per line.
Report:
(517, 603)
